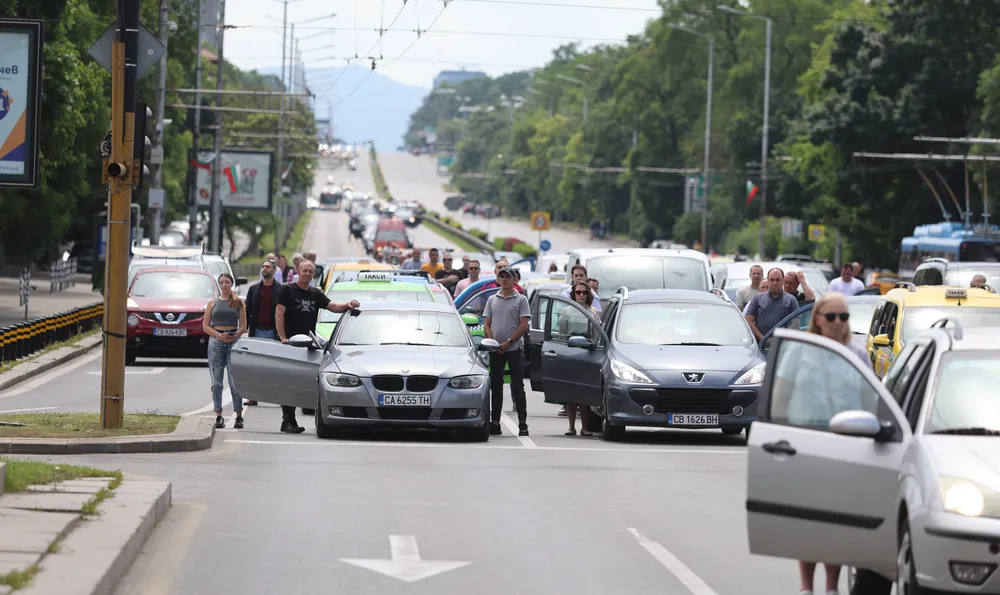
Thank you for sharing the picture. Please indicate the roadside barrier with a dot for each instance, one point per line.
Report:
(21, 340)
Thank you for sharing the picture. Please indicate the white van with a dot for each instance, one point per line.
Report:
(642, 268)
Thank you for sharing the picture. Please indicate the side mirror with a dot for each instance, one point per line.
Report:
(861, 424)
(882, 341)
(301, 341)
(489, 345)
(471, 319)
(580, 343)
(241, 281)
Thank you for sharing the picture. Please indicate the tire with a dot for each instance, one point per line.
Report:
(906, 567)
(865, 582)
(323, 431)
(732, 431)
(130, 356)
(609, 432)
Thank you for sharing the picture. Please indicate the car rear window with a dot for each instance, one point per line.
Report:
(646, 272)
(917, 319)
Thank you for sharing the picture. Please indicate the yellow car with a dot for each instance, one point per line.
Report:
(908, 309)
(348, 271)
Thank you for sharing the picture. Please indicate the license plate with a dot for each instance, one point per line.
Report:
(170, 332)
(404, 400)
(693, 419)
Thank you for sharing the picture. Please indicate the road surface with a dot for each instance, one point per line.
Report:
(415, 178)
(265, 512)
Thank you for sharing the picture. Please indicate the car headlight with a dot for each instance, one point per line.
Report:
(132, 320)
(342, 380)
(968, 498)
(627, 373)
(754, 375)
(465, 382)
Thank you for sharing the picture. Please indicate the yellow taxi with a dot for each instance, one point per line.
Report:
(885, 281)
(908, 309)
(348, 271)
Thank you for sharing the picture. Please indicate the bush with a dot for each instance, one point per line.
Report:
(510, 242)
(525, 250)
(456, 224)
(498, 243)
(446, 220)
(434, 214)
(479, 234)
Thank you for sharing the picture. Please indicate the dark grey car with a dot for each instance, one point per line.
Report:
(387, 365)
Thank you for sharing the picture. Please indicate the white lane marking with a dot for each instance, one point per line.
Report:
(406, 563)
(369, 444)
(227, 399)
(47, 377)
(25, 410)
(525, 441)
(136, 372)
(675, 566)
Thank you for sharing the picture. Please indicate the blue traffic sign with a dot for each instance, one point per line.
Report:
(545, 245)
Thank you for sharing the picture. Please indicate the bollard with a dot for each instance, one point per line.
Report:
(3, 344)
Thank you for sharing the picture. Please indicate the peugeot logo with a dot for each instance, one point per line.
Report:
(170, 317)
(405, 370)
(694, 377)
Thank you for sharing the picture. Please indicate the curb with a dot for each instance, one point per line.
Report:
(191, 434)
(95, 557)
(27, 370)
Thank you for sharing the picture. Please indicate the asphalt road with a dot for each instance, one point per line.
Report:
(265, 512)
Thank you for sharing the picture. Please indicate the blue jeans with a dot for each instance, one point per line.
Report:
(271, 334)
(219, 361)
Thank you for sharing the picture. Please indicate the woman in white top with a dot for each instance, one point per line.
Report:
(574, 323)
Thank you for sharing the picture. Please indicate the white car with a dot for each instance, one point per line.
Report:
(900, 479)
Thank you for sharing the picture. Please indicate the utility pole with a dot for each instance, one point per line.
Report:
(764, 142)
(158, 129)
(193, 189)
(215, 233)
(708, 145)
(278, 204)
(120, 169)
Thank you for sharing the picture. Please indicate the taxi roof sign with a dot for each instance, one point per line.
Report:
(373, 276)
(956, 292)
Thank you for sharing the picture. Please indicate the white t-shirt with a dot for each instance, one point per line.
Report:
(853, 288)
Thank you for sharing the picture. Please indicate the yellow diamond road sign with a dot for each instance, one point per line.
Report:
(816, 233)
(540, 221)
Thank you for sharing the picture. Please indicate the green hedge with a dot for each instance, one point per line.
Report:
(525, 250)
(498, 243)
(482, 235)
(378, 178)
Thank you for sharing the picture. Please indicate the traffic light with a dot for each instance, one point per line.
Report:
(140, 141)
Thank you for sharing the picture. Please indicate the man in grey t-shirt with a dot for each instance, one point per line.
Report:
(506, 319)
(766, 310)
(745, 294)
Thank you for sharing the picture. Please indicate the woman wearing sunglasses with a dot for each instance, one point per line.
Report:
(574, 323)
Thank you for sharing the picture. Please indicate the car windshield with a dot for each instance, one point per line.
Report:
(921, 318)
(216, 267)
(173, 285)
(680, 324)
(374, 295)
(646, 272)
(963, 277)
(964, 401)
(403, 327)
(390, 235)
(329, 199)
(861, 315)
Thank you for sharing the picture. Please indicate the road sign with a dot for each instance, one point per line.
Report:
(817, 233)
(791, 228)
(406, 563)
(20, 101)
(541, 221)
(150, 50)
(157, 198)
(545, 245)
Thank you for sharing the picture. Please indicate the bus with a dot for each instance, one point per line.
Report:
(950, 240)
(330, 200)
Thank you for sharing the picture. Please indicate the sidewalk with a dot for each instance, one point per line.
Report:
(41, 302)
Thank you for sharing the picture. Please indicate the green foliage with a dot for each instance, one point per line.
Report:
(378, 178)
(525, 250)
(482, 235)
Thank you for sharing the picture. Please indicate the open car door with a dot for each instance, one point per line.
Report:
(797, 320)
(824, 416)
(574, 349)
(274, 372)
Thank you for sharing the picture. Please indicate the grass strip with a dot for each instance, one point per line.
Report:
(71, 342)
(22, 473)
(20, 579)
(293, 243)
(82, 425)
(89, 507)
(445, 232)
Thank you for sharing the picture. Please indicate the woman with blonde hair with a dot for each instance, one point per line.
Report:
(225, 321)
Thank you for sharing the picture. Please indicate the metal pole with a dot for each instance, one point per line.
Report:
(158, 134)
(215, 235)
(278, 240)
(708, 145)
(763, 149)
(584, 105)
(193, 190)
(124, 55)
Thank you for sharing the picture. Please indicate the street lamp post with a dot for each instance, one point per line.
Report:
(582, 84)
(767, 109)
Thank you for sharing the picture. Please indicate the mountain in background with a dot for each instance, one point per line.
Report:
(379, 110)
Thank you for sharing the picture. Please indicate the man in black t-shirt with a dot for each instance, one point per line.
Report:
(296, 314)
(448, 276)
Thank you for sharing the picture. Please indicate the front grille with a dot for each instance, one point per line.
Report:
(193, 316)
(692, 400)
(148, 315)
(405, 413)
(421, 384)
(188, 316)
(355, 412)
(388, 383)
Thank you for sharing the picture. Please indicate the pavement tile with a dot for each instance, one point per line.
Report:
(72, 487)
(47, 501)
(11, 561)
(29, 531)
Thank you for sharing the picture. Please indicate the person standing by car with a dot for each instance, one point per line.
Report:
(298, 308)
(473, 277)
(414, 262)
(768, 309)
(433, 265)
(505, 319)
(571, 323)
(261, 300)
(804, 402)
(793, 281)
(448, 276)
(745, 294)
(846, 283)
(224, 322)
(579, 274)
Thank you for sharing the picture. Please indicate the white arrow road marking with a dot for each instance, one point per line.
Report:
(675, 566)
(24, 410)
(136, 372)
(405, 564)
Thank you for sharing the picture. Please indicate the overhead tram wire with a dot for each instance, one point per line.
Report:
(381, 34)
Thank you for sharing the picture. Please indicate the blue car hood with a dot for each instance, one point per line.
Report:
(653, 358)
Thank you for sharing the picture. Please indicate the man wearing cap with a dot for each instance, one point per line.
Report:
(505, 319)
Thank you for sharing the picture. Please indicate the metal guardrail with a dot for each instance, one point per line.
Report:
(21, 340)
(62, 275)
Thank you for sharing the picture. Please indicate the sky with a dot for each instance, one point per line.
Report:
(469, 34)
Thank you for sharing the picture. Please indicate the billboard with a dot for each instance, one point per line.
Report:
(20, 101)
(245, 182)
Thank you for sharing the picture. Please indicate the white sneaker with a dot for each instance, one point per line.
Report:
(805, 592)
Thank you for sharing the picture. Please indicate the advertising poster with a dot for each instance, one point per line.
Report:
(20, 82)
(245, 182)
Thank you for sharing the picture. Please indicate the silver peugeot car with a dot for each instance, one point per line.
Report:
(387, 365)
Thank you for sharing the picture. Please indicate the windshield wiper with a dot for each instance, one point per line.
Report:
(694, 344)
(969, 431)
(408, 343)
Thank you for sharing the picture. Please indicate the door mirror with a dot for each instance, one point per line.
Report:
(882, 341)
(301, 341)
(580, 343)
(489, 345)
(862, 424)
(470, 319)
(241, 281)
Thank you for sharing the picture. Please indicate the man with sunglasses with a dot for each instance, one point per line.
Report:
(473, 270)
(767, 309)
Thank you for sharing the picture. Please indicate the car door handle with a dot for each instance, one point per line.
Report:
(549, 354)
(780, 447)
(243, 349)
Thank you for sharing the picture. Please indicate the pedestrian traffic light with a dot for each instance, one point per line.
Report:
(140, 141)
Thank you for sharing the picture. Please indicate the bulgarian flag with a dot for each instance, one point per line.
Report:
(751, 191)
(198, 164)
(233, 175)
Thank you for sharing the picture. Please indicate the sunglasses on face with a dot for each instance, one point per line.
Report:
(578, 292)
(831, 316)
(473, 268)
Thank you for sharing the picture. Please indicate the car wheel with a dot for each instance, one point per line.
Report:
(130, 356)
(610, 433)
(866, 582)
(906, 567)
(322, 429)
(732, 431)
